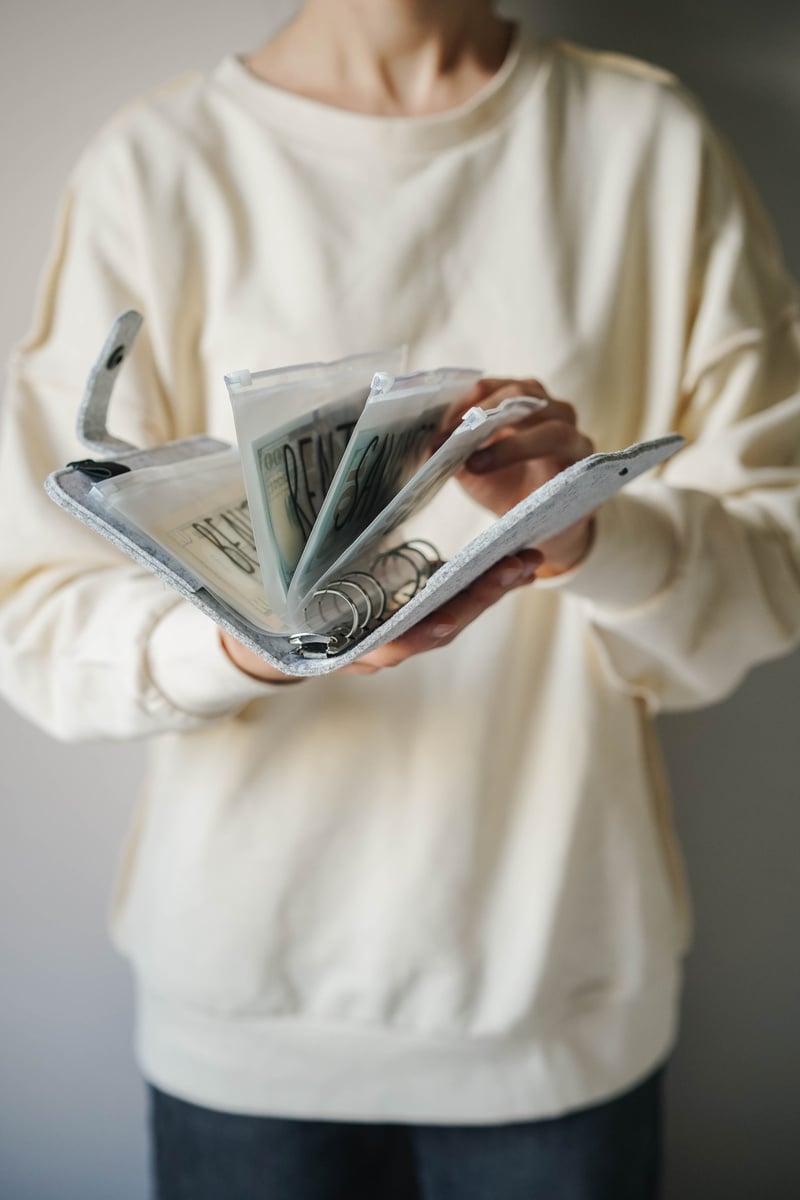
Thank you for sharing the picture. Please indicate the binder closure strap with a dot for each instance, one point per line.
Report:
(98, 470)
(93, 412)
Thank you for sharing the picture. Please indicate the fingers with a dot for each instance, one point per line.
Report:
(488, 387)
(553, 439)
(441, 627)
(252, 664)
(492, 392)
(489, 393)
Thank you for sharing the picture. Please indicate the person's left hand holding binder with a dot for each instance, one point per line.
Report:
(438, 629)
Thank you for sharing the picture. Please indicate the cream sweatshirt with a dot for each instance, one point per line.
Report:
(448, 892)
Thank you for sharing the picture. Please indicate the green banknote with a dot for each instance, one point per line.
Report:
(295, 467)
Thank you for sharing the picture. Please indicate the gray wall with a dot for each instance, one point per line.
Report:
(71, 1104)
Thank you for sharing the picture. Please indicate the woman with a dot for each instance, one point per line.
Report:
(422, 930)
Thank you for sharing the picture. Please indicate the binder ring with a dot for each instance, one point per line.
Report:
(399, 552)
(428, 566)
(347, 582)
(356, 617)
(435, 561)
(365, 599)
(375, 612)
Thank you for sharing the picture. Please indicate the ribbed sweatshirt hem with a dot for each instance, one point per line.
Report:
(286, 1067)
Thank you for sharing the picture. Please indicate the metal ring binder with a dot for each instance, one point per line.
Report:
(354, 616)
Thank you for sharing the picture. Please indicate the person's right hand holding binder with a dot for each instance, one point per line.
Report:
(523, 457)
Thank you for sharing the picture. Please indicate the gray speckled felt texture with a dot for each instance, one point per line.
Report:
(565, 499)
(92, 414)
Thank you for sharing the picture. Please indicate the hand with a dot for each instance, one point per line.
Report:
(251, 663)
(524, 456)
(439, 629)
(442, 626)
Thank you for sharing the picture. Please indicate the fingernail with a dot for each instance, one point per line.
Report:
(511, 575)
(443, 630)
(529, 569)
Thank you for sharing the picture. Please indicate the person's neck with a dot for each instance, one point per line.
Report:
(386, 57)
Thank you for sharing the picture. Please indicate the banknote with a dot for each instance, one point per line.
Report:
(394, 436)
(379, 462)
(292, 427)
(295, 467)
(218, 545)
(476, 427)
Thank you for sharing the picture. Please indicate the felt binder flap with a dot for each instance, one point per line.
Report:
(93, 412)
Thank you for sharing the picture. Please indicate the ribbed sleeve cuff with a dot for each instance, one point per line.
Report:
(633, 556)
(188, 665)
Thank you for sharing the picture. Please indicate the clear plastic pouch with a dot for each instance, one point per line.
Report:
(197, 510)
(293, 426)
(392, 439)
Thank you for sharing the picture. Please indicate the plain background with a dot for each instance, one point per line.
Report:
(71, 1103)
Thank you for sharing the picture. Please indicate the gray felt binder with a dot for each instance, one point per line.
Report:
(572, 494)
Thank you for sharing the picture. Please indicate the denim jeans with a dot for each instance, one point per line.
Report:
(610, 1151)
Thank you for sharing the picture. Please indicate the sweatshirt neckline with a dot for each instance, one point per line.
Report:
(339, 128)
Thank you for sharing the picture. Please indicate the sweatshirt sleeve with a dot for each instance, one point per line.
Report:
(90, 644)
(694, 575)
